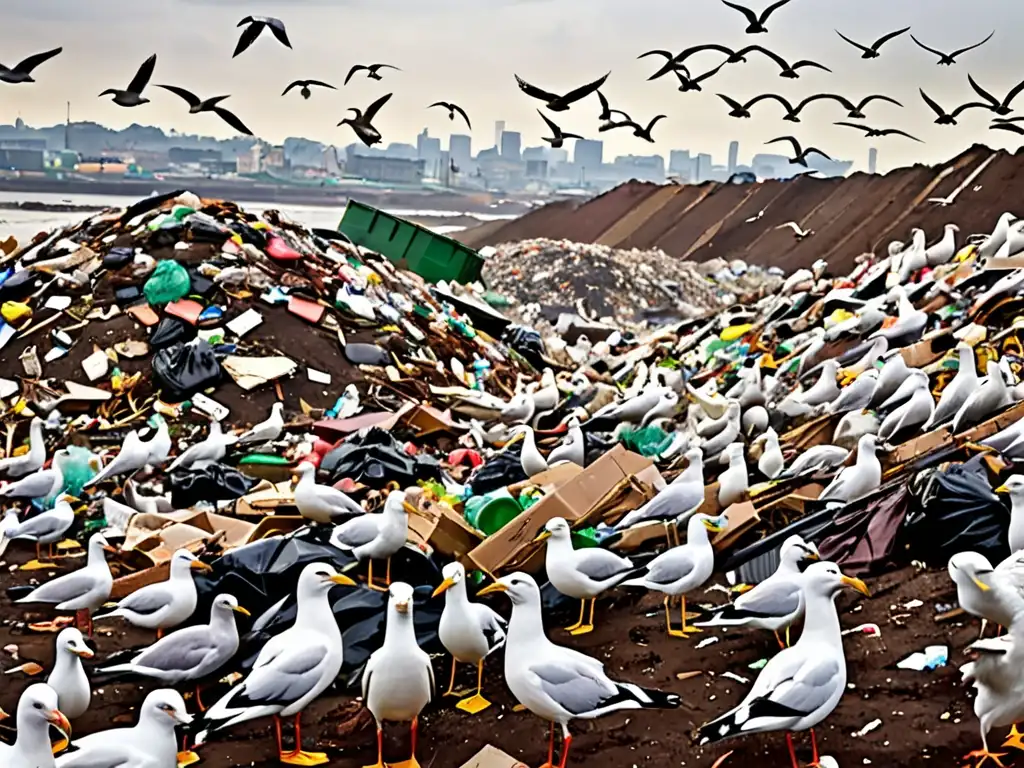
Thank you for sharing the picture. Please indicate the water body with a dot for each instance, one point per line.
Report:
(25, 224)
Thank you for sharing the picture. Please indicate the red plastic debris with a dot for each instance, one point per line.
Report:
(462, 456)
(280, 250)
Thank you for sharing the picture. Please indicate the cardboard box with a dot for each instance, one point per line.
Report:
(929, 349)
(492, 757)
(443, 529)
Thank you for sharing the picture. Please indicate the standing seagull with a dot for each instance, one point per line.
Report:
(372, 72)
(872, 51)
(267, 430)
(132, 95)
(800, 154)
(362, 122)
(559, 138)
(557, 103)
(197, 105)
(950, 58)
(306, 93)
(555, 683)
(999, 107)
(452, 109)
(22, 71)
(37, 711)
(256, 25)
(756, 22)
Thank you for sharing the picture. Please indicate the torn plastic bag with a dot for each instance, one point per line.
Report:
(956, 511)
(366, 354)
(169, 282)
(201, 228)
(214, 482)
(527, 342)
(171, 330)
(863, 535)
(503, 469)
(377, 458)
(184, 369)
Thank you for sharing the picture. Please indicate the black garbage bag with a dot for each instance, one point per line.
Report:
(184, 369)
(527, 342)
(955, 511)
(375, 459)
(171, 330)
(118, 258)
(503, 469)
(863, 536)
(214, 482)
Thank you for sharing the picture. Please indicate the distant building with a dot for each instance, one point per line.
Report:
(702, 170)
(460, 148)
(588, 155)
(23, 144)
(428, 149)
(274, 159)
(535, 153)
(557, 156)
(734, 156)
(395, 149)
(390, 170)
(22, 160)
(499, 128)
(641, 167)
(193, 155)
(537, 169)
(872, 160)
(250, 162)
(681, 164)
(511, 146)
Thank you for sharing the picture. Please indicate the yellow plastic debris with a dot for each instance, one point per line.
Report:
(734, 332)
(965, 253)
(7, 246)
(15, 312)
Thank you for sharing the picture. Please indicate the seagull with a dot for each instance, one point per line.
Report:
(132, 95)
(676, 62)
(452, 109)
(305, 85)
(151, 743)
(291, 669)
(776, 602)
(857, 110)
(860, 479)
(771, 462)
(165, 604)
(682, 568)
(956, 392)
(557, 103)
(555, 683)
(256, 26)
(743, 110)
(37, 711)
(996, 676)
(572, 448)
(788, 70)
(638, 130)
(376, 535)
(68, 677)
(801, 685)
(950, 118)
(983, 401)
(999, 107)
(266, 431)
(872, 51)
(137, 453)
(197, 105)
(800, 154)
(82, 591)
(470, 632)
(208, 451)
(757, 23)
(372, 71)
(41, 484)
(22, 71)
(872, 132)
(950, 58)
(687, 84)
(580, 573)
(674, 503)
(607, 111)
(398, 680)
(559, 137)
(321, 503)
(1011, 127)
(45, 528)
(33, 461)
(362, 123)
(1014, 486)
(798, 232)
(991, 594)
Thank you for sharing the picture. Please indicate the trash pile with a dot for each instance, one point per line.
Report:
(231, 429)
(629, 288)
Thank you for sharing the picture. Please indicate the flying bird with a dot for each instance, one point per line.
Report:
(687, 84)
(793, 113)
(800, 154)
(22, 71)
(372, 71)
(638, 130)
(256, 25)
(607, 111)
(132, 95)
(798, 232)
(733, 57)
(197, 105)
(452, 109)
(857, 110)
(559, 138)
(872, 51)
(1004, 126)
(756, 22)
(950, 58)
(743, 110)
(871, 132)
(557, 103)
(788, 70)
(669, 61)
(999, 107)
(362, 122)
(305, 84)
(948, 118)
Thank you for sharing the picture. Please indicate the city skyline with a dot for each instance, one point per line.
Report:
(472, 61)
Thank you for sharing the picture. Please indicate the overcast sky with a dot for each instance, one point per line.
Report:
(466, 51)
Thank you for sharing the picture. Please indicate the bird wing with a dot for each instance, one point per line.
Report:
(808, 63)
(600, 564)
(815, 151)
(685, 54)
(321, 83)
(763, 96)
(30, 63)
(751, 16)
(182, 651)
(148, 600)
(296, 84)
(956, 53)
(797, 686)
(114, 753)
(854, 125)
(191, 98)
(670, 566)
(142, 76)
(779, 597)
(584, 90)
(931, 103)
(373, 109)
(982, 92)
(61, 589)
(709, 73)
(371, 664)
(771, 9)
(731, 102)
(1013, 93)
(790, 139)
(551, 125)
(851, 42)
(491, 624)
(654, 120)
(534, 92)
(657, 52)
(930, 50)
(773, 56)
(606, 110)
(444, 104)
(462, 112)
(231, 119)
(355, 68)
(37, 526)
(571, 136)
(386, 66)
(289, 676)
(885, 38)
(248, 37)
(1012, 127)
(575, 687)
(278, 28)
(969, 105)
(897, 132)
(876, 97)
(358, 530)
(623, 124)
(825, 96)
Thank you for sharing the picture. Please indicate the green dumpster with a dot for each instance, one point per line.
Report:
(431, 256)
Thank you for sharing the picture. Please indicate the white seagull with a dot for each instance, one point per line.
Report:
(376, 536)
(68, 677)
(207, 451)
(268, 430)
(798, 232)
(321, 503)
(19, 466)
(37, 711)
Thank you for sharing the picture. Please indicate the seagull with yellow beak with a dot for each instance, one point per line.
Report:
(377, 536)
(991, 594)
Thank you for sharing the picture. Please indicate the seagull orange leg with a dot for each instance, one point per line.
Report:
(792, 751)
(297, 756)
(778, 639)
(578, 624)
(589, 626)
(551, 748)
(476, 703)
(815, 759)
(566, 742)
(380, 750)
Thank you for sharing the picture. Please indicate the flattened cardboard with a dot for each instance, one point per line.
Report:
(492, 757)
(929, 349)
(443, 529)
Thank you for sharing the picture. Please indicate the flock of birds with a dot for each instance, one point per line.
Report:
(677, 64)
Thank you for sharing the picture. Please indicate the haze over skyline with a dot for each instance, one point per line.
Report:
(467, 51)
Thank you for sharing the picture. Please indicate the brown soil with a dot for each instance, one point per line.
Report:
(926, 716)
